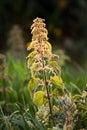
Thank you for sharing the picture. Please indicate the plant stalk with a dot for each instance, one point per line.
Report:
(47, 90)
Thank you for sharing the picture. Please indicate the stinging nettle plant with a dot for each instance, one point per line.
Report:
(45, 72)
(46, 84)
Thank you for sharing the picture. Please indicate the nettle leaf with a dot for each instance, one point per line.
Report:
(32, 54)
(55, 65)
(33, 68)
(39, 98)
(49, 45)
(58, 92)
(57, 80)
(55, 108)
(29, 45)
(33, 83)
(30, 57)
(29, 61)
(77, 97)
(55, 92)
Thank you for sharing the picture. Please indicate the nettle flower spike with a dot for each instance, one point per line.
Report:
(39, 31)
(39, 43)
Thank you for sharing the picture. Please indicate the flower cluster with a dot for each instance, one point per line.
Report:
(39, 39)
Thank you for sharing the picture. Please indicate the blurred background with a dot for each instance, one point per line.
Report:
(66, 22)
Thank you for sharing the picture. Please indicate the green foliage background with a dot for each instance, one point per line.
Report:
(21, 110)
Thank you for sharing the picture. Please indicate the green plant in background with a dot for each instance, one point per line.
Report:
(13, 77)
(20, 119)
(18, 80)
(81, 116)
(3, 82)
(16, 42)
(63, 57)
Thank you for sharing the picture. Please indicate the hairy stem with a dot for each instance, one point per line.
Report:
(47, 90)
